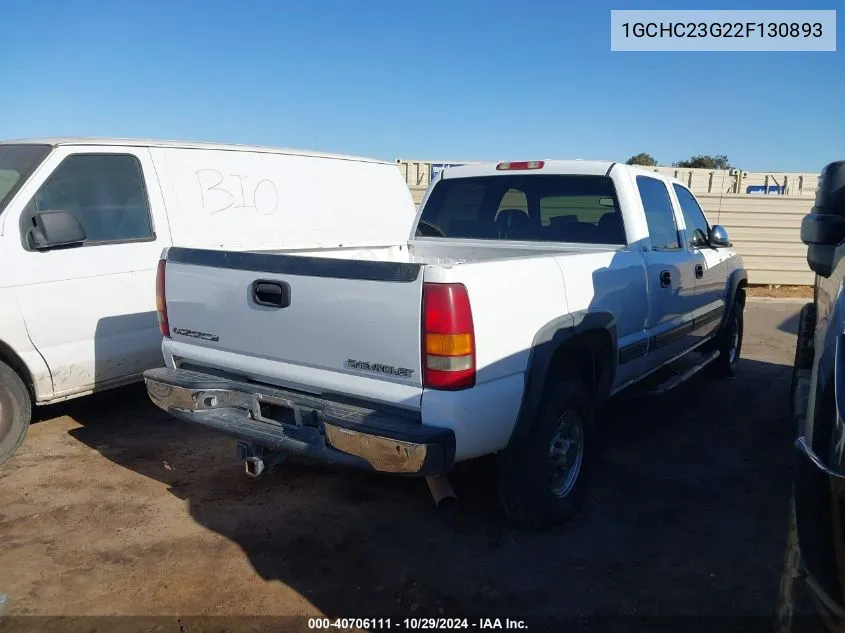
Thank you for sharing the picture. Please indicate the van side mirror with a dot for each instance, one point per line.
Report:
(718, 237)
(822, 233)
(55, 229)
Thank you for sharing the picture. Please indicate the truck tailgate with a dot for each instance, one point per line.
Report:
(358, 318)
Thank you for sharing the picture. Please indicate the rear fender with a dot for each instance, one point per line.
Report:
(547, 342)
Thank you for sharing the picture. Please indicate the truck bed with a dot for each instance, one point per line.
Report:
(343, 309)
(450, 253)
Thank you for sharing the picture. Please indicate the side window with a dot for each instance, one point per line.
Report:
(106, 194)
(693, 215)
(658, 212)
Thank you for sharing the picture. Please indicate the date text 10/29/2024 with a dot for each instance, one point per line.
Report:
(425, 624)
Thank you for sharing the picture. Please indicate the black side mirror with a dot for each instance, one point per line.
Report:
(55, 229)
(822, 233)
(824, 228)
(698, 239)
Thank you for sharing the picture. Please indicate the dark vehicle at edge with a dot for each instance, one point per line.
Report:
(818, 393)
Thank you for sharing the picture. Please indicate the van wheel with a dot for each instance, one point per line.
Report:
(729, 342)
(541, 478)
(15, 411)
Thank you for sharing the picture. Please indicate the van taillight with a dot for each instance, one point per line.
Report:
(161, 303)
(448, 345)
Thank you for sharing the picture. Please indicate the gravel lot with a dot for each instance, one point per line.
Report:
(112, 508)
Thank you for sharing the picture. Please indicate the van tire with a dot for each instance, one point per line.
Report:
(525, 478)
(729, 341)
(15, 411)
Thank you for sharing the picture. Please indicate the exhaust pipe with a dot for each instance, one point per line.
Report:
(441, 490)
(254, 466)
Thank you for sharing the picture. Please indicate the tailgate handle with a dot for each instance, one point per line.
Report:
(273, 294)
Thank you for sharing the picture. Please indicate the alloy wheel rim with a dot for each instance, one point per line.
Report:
(566, 454)
(732, 352)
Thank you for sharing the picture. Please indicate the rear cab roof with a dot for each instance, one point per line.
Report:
(570, 167)
(550, 167)
(622, 175)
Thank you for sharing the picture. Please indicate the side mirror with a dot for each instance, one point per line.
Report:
(823, 229)
(55, 229)
(718, 237)
(822, 233)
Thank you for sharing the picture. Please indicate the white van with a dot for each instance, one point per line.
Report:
(84, 221)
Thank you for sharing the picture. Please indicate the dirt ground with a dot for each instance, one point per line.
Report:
(781, 292)
(113, 508)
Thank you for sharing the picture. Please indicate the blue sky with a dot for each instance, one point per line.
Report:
(441, 80)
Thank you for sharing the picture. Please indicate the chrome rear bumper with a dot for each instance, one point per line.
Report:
(383, 440)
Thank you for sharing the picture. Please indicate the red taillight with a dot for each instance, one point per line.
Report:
(161, 303)
(524, 164)
(448, 345)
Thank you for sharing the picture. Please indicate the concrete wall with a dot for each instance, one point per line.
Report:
(765, 229)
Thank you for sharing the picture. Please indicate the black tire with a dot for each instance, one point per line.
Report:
(729, 341)
(525, 480)
(804, 351)
(15, 411)
(802, 364)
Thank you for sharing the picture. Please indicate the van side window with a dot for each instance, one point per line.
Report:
(106, 194)
(658, 213)
(693, 215)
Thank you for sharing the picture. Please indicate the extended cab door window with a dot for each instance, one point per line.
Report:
(711, 267)
(104, 192)
(662, 228)
(696, 224)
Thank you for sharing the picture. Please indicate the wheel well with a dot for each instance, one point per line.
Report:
(740, 291)
(589, 356)
(8, 356)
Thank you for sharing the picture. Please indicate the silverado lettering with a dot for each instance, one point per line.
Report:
(205, 336)
(379, 368)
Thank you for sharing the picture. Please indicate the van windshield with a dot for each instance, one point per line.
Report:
(17, 162)
(547, 208)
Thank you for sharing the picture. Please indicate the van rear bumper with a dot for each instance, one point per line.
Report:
(294, 422)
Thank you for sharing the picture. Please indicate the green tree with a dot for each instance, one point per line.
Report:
(646, 160)
(719, 161)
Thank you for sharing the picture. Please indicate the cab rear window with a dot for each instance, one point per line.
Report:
(548, 208)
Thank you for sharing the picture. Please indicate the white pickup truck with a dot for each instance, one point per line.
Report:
(495, 320)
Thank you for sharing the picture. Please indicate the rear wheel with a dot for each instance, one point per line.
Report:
(15, 411)
(542, 476)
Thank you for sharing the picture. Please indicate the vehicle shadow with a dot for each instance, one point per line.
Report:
(790, 324)
(687, 513)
